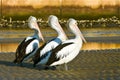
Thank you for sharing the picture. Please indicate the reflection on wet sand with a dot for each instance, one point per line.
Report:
(99, 46)
(11, 47)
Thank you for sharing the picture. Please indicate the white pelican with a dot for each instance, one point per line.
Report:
(29, 45)
(69, 49)
(43, 53)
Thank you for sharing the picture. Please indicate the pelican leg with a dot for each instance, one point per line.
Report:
(66, 67)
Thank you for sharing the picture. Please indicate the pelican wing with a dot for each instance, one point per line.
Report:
(36, 57)
(31, 49)
(53, 56)
(50, 45)
(43, 53)
(22, 48)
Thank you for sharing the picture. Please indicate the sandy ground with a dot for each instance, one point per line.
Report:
(88, 65)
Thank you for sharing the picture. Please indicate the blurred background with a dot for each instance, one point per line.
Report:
(88, 12)
(79, 9)
(96, 19)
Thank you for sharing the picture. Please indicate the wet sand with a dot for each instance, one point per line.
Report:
(88, 65)
(91, 34)
(113, 39)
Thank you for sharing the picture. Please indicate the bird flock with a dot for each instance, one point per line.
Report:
(57, 51)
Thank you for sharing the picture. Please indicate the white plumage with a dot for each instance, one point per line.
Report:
(49, 46)
(69, 49)
(29, 45)
(53, 23)
(44, 53)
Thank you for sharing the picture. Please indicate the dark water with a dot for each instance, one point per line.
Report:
(9, 38)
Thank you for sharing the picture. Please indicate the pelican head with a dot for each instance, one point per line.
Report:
(72, 25)
(54, 23)
(32, 23)
(53, 20)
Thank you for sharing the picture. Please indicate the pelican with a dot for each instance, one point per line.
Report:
(29, 45)
(69, 49)
(43, 53)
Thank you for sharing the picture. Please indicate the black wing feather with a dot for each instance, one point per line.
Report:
(20, 52)
(53, 57)
(36, 57)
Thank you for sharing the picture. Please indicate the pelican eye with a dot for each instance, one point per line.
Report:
(76, 23)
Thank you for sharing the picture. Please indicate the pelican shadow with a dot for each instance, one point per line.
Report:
(8, 63)
(26, 65)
